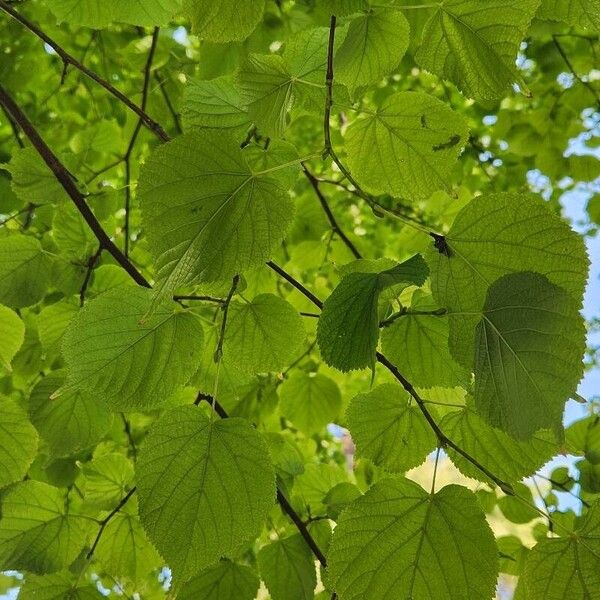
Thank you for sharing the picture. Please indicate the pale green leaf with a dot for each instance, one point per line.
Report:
(114, 352)
(348, 328)
(507, 458)
(224, 20)
(397, 542)
(57, 586)
(494, 235)
(528, 354)
(475, 44)
(373, 47)
(582, 13)
(207, 215)
(205, 487)
(37, 533)
(407, 147)
(387, 429)
(313, 485)
(225, 581)
(310, 401)
(566, 567)
(214, 103)
(417, 344)
(70, 423)
(12, 334)
(262, 335)
(24, 271)
(106, 480)
(53, 321)
(287, 567)
(18, 443)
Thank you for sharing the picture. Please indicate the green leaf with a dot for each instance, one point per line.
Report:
(57, 586)
(582, 13)
(494, 235)
(70, 423)
(407, 147)
(225, 581)
(37, 533)
(214, 103)
(52, 323)
(205, 487)
(373, 47)
(94, 14)
(399, 540)
(507, 458)
(288, 569)
(475, 47)
(388, 429)
(583, 437)
(18, 443)
(310, 401)
(348, 328)
(24, 271)
(417, 343)
(566, 567)
(339, 497)
(12, 334)
(528, 354)
(262, 335)
(207, 215)
(130, 361)
(224, 20)
(106, 480)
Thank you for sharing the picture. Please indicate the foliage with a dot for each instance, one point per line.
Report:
(227, 225)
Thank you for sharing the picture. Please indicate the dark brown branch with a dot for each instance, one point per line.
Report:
(330, 216)
(68, 59)
(163, 89)
(200, 299)
(61, 173)
(107, 519)
(295, 283)
(88, 275)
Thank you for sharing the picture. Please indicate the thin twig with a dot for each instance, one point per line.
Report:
(200, 299)
(68, 59)
(163, 89)
(88, 275)
(128, 433)
(14, 127)
(64, 178)
(225, 308)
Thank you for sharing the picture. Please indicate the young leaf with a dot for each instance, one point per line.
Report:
(310, 401)
(208, 216)
(348, 328)
(373, 47)
(388, 430)
(528, 354)
(408, 147)
(18, 443)
(288, 569)
(205, 487)
(130, 361)
(398, 537)
(225, 581)
(12, 334)
(262, 335)
(475, 45)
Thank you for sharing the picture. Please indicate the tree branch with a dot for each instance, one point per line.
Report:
(88, 275)
(68, 59)
(64, 178)
(225, 308)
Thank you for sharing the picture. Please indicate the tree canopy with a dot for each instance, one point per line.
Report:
(289, 307)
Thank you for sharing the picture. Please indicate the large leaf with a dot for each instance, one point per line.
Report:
(528, 354)
(399, 543)
(58, 586)
(70, 423)
(348, 328)
(407, 147)
(262, 335)
(583, 13)
(225, 581)
(224, 20)
(207, 215)
(566, 567)
(388, 429)
(114, 352)
(24, 271)
(373, 47)
(474, 44)
(288, 569)
(37, 533)
(205, 487)
(310, 401)
(12, 334)
(494, 235)
(18, 443)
